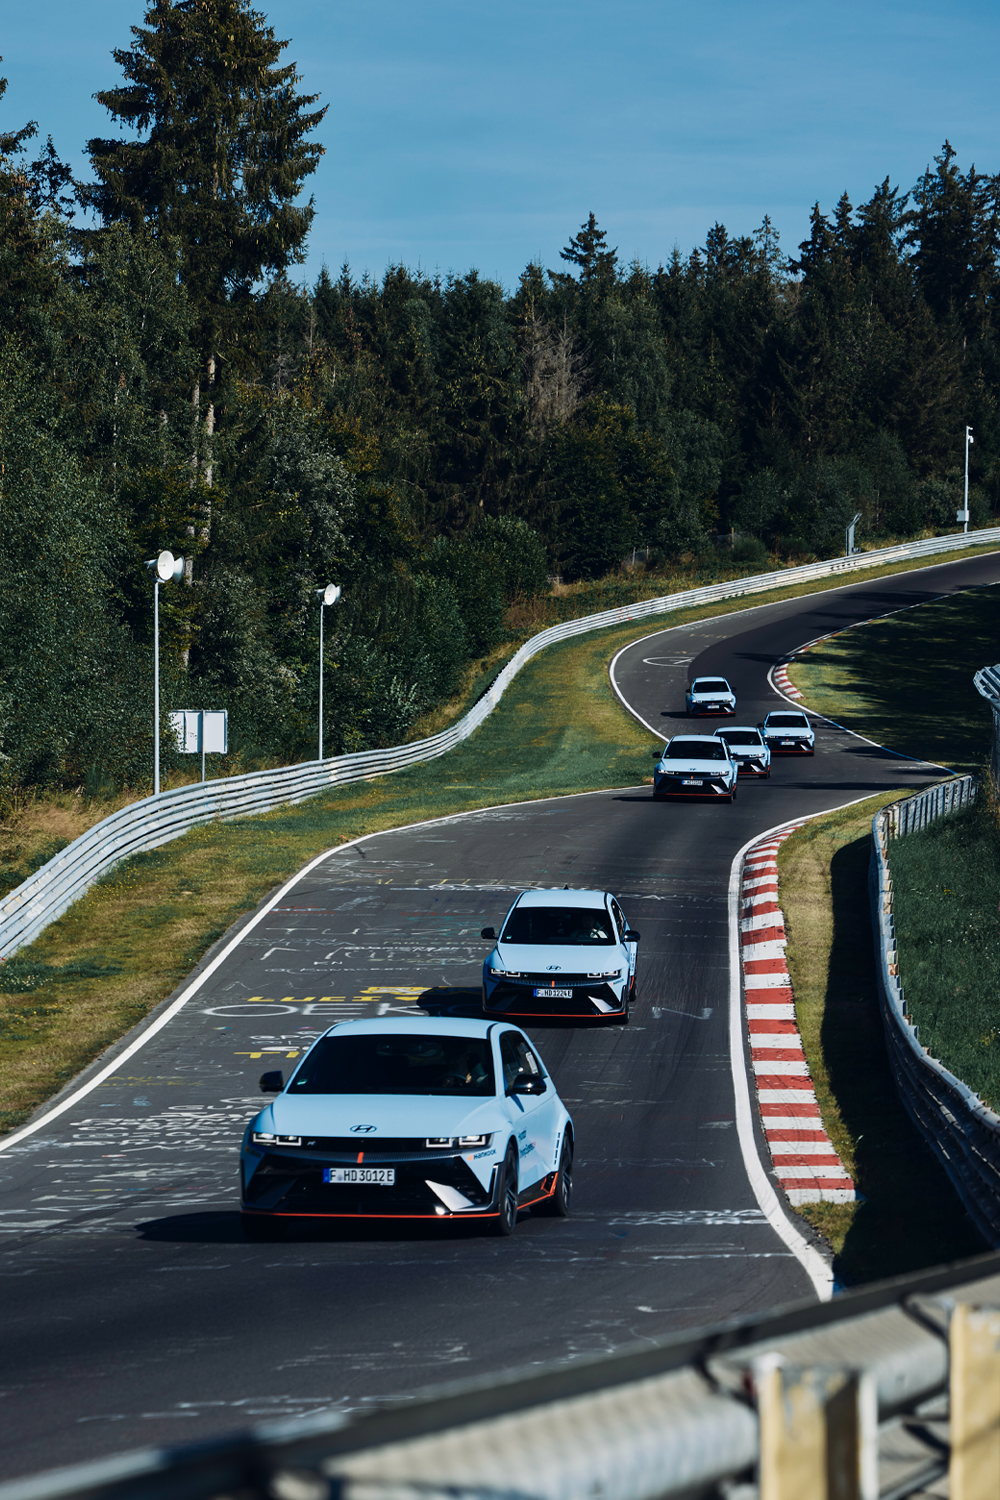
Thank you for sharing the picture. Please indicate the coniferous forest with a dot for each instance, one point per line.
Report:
(441, 446)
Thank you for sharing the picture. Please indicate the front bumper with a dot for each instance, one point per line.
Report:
(710, 710)
(671, 787)
(290, 1182)
(592, 999)
(753, 767)
(799, 747)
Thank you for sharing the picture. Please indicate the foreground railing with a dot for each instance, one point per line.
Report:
(879, 1393)
(959, 1128)
(45, 895)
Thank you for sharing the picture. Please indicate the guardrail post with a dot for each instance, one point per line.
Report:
(818, 1433)
(974, 1470)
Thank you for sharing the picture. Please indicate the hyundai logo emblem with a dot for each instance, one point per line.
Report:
(555, 966)
(363, 1129)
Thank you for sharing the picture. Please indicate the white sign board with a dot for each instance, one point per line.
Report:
(197, 730)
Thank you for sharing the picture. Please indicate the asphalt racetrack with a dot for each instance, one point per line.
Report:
(133, 1312)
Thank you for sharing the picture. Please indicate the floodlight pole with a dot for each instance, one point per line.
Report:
(968, 439)
(328, 595)
(156, 687)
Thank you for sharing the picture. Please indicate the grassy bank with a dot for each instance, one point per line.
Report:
(946, 889)
(906, 681)
(910, 1216)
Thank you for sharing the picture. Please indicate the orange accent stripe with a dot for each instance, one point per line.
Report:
(361, 1156)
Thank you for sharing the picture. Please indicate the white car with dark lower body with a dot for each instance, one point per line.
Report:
(416, 1118)
(695, 765)
(746, 747)
(788, 734)
(710, 695)
(562, 953)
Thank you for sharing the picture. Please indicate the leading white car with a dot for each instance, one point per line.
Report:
(788, 734)
(415, 1118)
(695, 765)
(538, 965)
(710, 695)
(746, 747)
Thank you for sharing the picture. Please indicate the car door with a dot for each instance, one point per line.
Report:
(629, 949)
(533, 1117)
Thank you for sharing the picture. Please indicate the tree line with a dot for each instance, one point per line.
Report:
(439, 445)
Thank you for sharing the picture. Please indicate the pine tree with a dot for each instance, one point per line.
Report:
(218, 162)
(589, 252)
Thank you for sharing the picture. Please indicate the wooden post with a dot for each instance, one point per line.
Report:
(974, 1470)
(818, 1433)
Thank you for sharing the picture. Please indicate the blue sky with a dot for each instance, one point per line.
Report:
(463, 134)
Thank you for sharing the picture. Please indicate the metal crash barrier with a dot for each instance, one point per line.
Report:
(880, 1393)
(30, 907)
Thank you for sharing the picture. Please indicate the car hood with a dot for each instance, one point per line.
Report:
(537, 958)
(391, 1114)
(696, 767)
(711, 697)
(786, 734)
(736, 751)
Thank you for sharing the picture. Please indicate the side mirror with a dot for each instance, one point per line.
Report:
(272, 1083)
(488, 932)
(525, 1085)
(658, 754)
(632, 937)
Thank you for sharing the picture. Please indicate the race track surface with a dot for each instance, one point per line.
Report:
(134, 1313)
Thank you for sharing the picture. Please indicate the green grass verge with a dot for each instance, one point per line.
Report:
(946, 890)
(910, 1216)
(906, 681)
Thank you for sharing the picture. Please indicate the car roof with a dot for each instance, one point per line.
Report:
(692, 739)
(709, 677)
(407, 1025)
(733, 728)
(562, 898)
(789, 712)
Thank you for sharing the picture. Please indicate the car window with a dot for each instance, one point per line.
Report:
(569, 926)
(619, 917)
(787, 721)
(397, 1064)
(710, 685)
(739, 736)
(517, 1058)
(695, 750)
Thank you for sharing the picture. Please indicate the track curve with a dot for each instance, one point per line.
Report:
(140, 1316)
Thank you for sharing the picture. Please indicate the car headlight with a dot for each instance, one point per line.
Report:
(263, 1138)
(443, 1142)
(607, 974)
(505, 973)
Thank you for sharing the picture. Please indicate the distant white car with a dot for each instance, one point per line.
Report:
(562, 953)
(710, 695)
(413, 1118)
(695, 765)
(788, 734)
(746, 746)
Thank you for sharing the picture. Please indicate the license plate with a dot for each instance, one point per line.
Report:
(690, 782)
(555, 994)
(368, 1176)
(788, 742)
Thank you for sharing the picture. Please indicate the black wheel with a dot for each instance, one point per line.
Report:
(262, 1228)
(505, 1220)
(623, 1019)
(558, 1206)
(732, 795)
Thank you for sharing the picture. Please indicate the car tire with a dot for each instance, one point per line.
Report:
(261, 1229)
(559, 1202)
(623, 1019)
(732, 795)
(506, 1218)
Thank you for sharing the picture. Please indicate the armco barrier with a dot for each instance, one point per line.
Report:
(44, 896)
(844, 1400)
(988, 686)
(961, 1131)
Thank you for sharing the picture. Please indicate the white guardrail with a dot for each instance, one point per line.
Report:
(30, 907)
(958, 1127)
(841, 1400)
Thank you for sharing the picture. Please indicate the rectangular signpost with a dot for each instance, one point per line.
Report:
(203, 731)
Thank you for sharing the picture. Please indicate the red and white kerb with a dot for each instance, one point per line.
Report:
(808, 1168)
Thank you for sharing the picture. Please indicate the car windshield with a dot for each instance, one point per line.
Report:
(741, 737)
(559, 926)
(710, 685)
(695, 750)
(787, 721)
(397, 1064)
